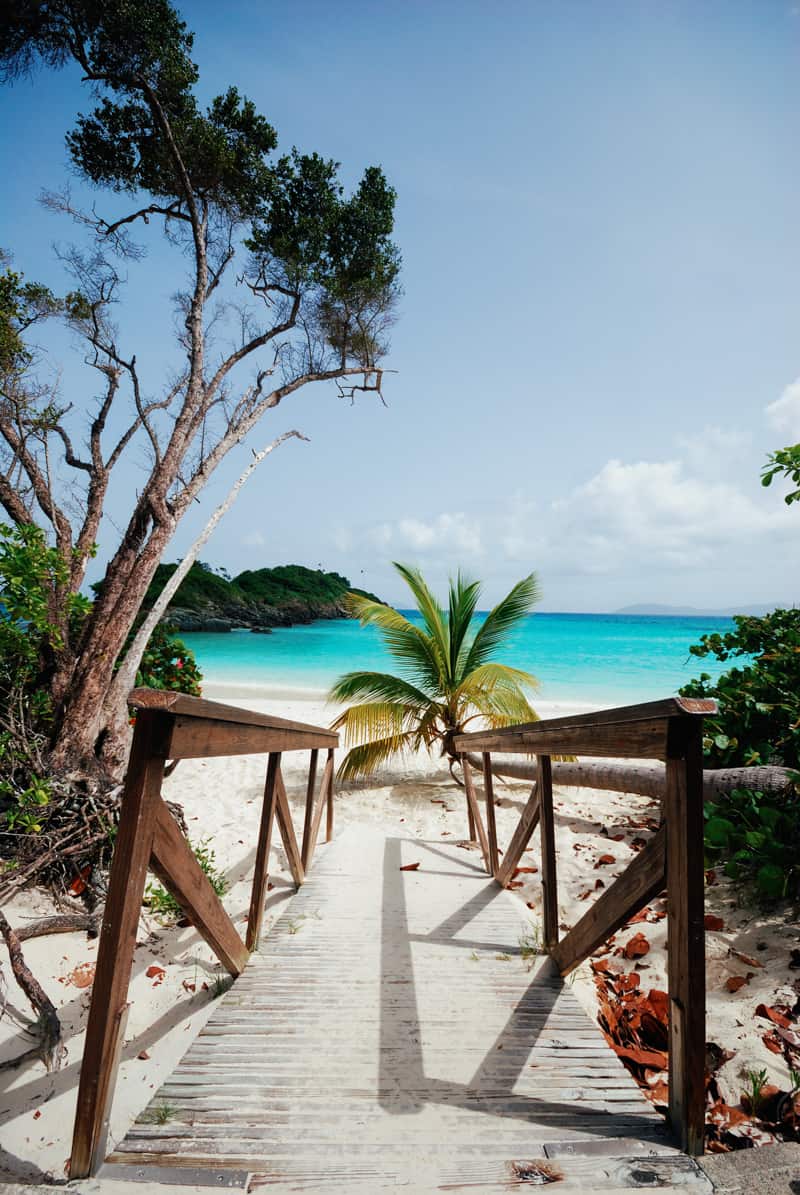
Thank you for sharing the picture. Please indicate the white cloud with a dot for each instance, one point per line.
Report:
(663, 530)
(784, 413)
(254, 539)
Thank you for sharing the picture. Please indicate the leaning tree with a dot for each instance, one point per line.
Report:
(310, 298)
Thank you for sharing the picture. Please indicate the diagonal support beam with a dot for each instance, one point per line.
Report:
(528, 822)
(643, 879)
(286, 828)
(475, 814)
(174, 862)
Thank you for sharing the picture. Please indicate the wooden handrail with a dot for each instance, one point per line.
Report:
(174, 726)
(669, 730)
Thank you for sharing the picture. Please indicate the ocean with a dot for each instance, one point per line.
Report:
(591, 659)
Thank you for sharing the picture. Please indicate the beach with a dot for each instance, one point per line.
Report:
(175, 973)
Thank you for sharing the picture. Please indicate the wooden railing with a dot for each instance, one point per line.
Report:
(172, 726)
(668, 730)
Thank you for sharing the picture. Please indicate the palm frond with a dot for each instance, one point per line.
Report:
(375, 720)
(502, 619)
(408, 643)
(366, 758)
(432, 613)
(463, 602)
(377, 686)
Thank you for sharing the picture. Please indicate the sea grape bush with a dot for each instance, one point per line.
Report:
(168, 663)
(759, 697)
(757, 839)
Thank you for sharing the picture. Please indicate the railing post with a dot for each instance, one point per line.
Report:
(312, 779)
(329, 813)
(107, 1013)
(259, 890)
(491, 827)
(548, 834)
(683, 810)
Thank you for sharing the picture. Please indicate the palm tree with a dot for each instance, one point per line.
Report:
(448, 675)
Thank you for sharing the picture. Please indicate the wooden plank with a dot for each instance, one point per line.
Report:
(488, 789)
(475, 814)
(683, 808)
(259, 891)
(549, 874)
(331, 784)
(284, 815)
(118, 936)
(643, 712)
(529, 820)
(309, 812)
(327, 781)
(204, 738)
(638, 739)
(644, 878)
(174, 862)
(198, 707)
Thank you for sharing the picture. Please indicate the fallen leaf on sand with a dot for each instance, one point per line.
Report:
(735, 982)
(636, 947)
(82, 976)
(524, 870)
(605, 860)
(188, 987)
(78, 885)
(143, 1055)
(774, 1015)
(744, 958)
(155, 972)
(712, 922)
(410, 867)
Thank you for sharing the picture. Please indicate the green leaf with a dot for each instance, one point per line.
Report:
(718, 831)
(771, 880)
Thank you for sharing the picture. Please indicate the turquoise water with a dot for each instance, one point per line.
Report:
(592, 658)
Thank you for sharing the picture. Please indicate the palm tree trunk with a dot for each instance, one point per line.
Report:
(645, 780)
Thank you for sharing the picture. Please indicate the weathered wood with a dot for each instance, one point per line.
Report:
(529, 820)
(309, 810)
(118, 936)
(683, 810)
(491, 824)
(642, 739)
(205, 738)
(549, 873)
(332, 1056)
(260, 875)
(475, 815)
(644, 712)
(331, 785)
(198, 707)
(644, 878)
(175, 864)
(327, 781)
(286, 827)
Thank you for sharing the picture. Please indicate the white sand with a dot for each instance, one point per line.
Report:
(221, 799)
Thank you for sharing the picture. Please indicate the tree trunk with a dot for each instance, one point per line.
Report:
(117, 738)
(645, 780)
(82, 721)
(94, 722)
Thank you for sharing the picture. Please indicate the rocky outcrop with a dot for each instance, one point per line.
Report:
(255, 616)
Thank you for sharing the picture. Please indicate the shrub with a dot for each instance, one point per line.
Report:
(759, 698)
(758, 838)
(168, 663)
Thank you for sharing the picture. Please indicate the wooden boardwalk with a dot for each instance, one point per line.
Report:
(389, 1034)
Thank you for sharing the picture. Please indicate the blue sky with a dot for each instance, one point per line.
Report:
(597, 211)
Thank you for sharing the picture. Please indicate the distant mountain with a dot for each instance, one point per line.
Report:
(653, 608)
